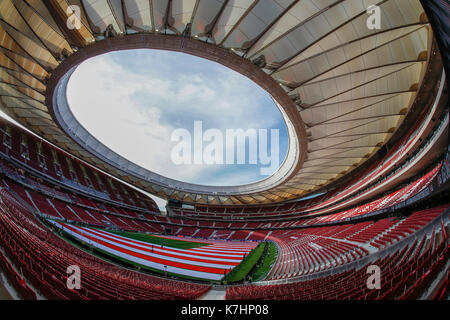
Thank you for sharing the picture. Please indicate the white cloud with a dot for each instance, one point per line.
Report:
(134, 113)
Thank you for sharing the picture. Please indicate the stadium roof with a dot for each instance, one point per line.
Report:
(344, 88)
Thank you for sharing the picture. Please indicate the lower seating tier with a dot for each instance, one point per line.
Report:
(43, 259)
(405, 273)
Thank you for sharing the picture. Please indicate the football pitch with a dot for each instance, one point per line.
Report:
(187, 258)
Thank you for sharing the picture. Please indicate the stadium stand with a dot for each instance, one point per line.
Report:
(406, 271)
(43, 259)
(53, 165)
(301, 251)
(371, 101)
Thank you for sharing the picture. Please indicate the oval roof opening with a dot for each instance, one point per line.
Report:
(180, 116)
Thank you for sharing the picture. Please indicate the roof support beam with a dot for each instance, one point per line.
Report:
(209, 32)
(353, 72)
(289, 59)
(53, 53)
(298, 25)
(270, 25)
(358, 86)
(365, 97)
(325, 123)
(3, 23)
(74, 38)
(296, 85)
(249, 9)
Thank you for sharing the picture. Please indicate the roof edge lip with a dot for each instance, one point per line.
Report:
(59, 109)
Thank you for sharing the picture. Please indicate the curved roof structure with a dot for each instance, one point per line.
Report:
(344, 88)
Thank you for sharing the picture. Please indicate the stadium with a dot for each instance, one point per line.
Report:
(357, 208)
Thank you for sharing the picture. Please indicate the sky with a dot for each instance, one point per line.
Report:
(133, 100)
